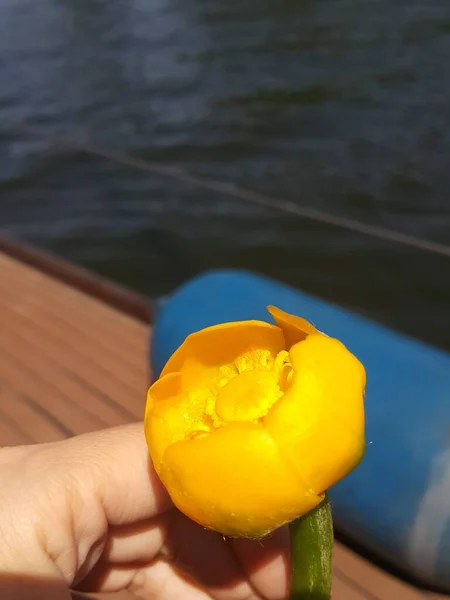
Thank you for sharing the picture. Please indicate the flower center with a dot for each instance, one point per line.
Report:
(249, 395)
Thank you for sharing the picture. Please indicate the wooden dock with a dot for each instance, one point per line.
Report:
(70, 363)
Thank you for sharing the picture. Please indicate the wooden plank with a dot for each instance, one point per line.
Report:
(64, 394)
(88, 342)
(74, 312)
(29, 292)
(353, 569)
(10, 434)
(26, 275)
(108, 292)
(100, 380)
(123, 595)
(34, 425)
(53, 403)
(343, 590)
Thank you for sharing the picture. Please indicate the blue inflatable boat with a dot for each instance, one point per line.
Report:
(396, 504)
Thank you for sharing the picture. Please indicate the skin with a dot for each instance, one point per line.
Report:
(90, 514)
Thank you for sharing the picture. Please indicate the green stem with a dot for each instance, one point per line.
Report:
(312, 554)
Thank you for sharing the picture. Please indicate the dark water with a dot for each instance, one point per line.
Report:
(343, 105)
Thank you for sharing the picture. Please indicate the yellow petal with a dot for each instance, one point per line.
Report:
(235, 481)
(162, 389)
(295, 328)
(212, 356)
(319, 423)
(222, 344)
(172, 414)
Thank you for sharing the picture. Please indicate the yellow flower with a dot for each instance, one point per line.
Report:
(250, 423)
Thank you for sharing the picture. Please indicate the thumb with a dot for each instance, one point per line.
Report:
(59, 499)
(113, 467)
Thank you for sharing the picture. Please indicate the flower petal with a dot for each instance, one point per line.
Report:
(209, 355)
(172, 414)
(235, 481)
(319, 423)
(295, 328)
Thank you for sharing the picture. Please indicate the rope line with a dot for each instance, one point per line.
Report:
(246, 195)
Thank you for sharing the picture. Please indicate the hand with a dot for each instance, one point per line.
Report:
(89, 513)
